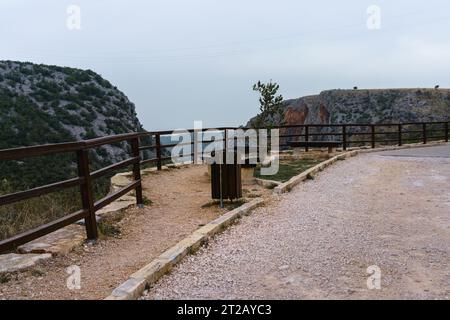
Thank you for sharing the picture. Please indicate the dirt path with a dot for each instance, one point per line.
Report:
(319, 240)
(178, 196)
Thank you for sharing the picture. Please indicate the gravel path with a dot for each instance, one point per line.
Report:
(177, 195)
(318, 240)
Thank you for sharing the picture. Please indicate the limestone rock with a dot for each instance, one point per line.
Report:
(368, 106)
(60, 242)
(115, 207)
(13, 262)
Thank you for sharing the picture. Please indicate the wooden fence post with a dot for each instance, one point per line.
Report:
(257, 146)
(158, 151)
(446, 132)
(424, 132)
(87, 197)
(372, 133)
(137, 171)
(306, 137)
(225, 146)
(344, 137)
(400, 142)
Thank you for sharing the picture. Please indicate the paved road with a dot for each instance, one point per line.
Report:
(438, 151)
(391, 212)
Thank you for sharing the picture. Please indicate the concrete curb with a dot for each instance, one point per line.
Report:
(133, 288)
(267, 183)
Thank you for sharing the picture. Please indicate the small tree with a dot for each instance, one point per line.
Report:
(271, 105)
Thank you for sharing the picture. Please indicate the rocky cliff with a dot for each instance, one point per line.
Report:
(370, 106)
(365, 107)
(42, 104)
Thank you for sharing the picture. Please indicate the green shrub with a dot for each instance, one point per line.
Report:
(72, 106)
(14, 77)
(77, 76)
(90, 134)
(49, 86)
(55, 103)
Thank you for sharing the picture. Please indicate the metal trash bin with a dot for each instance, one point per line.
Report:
(226, 181)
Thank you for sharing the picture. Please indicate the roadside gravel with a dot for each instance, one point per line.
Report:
(319, 240)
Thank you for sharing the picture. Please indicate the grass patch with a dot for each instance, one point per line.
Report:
(146, 201)
(289, 169)
(37, 273)
(31, 213)
(146, 173)
(108, 228)
(253, 195)
(25, 215)
(209, 204)
(4, 278)
(229, 205)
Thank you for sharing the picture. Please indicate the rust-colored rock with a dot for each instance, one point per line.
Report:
(324, 115)
(369, 106)
(294, 116)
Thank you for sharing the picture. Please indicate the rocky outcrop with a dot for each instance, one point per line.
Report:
(370, 106)
(13, 262)
(42, 104)
(71, 104)
(363, 107)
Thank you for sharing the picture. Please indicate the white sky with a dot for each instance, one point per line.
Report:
(186, 60)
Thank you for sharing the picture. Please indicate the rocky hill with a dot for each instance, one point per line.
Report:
(42, 104)
(369, 106)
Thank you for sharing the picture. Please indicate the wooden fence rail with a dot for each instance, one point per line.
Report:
(423, 131)
(84, 181)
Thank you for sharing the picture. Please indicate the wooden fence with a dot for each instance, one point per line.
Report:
(84, 181)
(347, 134)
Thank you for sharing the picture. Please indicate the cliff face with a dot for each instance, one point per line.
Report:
(370, 106)
(42, 104)
(46, 104)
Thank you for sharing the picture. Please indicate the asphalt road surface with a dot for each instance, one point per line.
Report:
(379, 216)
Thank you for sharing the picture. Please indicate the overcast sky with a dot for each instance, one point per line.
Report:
(186, 60)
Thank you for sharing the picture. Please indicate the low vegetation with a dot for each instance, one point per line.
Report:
(289, 169)
(25, 215)
(42, 104)
(271, 105)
